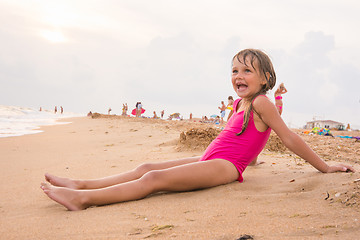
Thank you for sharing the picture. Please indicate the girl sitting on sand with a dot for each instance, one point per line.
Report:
(224, 160)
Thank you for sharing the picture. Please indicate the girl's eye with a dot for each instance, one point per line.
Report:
(247, 70)
(235, 71)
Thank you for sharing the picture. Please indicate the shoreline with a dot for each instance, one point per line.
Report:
(266, 205)
(15, 126)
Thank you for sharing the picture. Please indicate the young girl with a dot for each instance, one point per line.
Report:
(224, 160)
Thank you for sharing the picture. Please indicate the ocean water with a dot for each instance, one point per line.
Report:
(18, 121)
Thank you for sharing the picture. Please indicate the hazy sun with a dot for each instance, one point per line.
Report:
(54, 36)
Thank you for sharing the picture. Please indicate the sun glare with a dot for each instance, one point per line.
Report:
(54, 36)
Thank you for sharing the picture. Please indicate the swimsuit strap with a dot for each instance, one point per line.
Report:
(237, 101)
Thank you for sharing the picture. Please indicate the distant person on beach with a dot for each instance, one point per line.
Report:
(162, 113)
(217, 120)
(190, 116)
(55, 110)
(61, 110)
(109, 110)
(224, 160)
(138, 109)
(278, 98)
(124, 109)
(222, 111)
(230, 106)
(89, 114)
(230, 102)
(40, 109)
(155, 116)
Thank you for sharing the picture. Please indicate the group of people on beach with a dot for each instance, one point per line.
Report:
(55, 109)
(138, 111)
(61, 110)
(225, 159)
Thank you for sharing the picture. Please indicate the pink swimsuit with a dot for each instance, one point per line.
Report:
(239, 150)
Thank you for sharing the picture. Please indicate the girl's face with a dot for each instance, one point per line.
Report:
(246, 80)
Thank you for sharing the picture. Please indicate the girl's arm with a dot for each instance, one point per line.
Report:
(271, 117)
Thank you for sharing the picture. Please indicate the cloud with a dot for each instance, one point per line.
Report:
(178, 56)
(317, 84)
(176, 67)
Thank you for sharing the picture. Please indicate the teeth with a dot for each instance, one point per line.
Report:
(241, 86)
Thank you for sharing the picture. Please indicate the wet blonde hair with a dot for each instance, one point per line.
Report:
(263, 65)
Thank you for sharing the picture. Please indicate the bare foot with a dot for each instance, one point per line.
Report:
(69, 198)
(61, 182)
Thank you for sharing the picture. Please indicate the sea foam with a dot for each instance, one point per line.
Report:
(17, 121)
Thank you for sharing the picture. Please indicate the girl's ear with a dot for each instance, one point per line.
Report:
(264, 80)
(268, 75)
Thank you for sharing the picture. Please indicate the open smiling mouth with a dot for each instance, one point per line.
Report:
(241, 86)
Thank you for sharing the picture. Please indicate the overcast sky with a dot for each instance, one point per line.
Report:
(176, 55)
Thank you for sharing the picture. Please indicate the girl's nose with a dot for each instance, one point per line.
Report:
(238, 75)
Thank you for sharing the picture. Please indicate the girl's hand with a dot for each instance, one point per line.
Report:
(340, 168)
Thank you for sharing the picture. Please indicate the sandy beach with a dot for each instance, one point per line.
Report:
(283, 198)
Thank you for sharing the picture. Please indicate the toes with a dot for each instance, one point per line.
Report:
(48, 177)
(45, 186)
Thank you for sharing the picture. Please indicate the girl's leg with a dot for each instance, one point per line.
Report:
(116, 179)
(186, 177)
